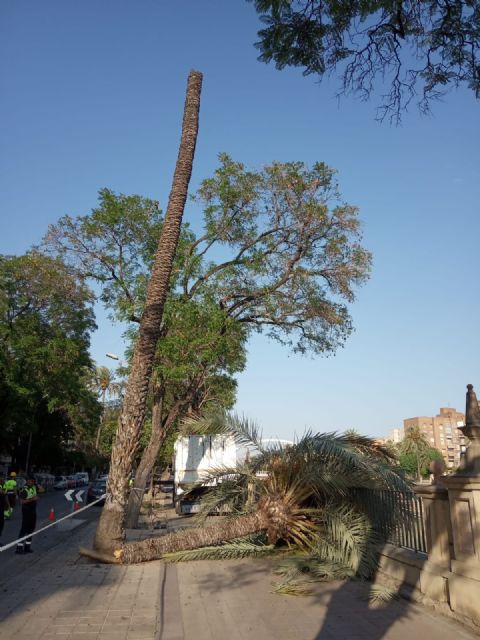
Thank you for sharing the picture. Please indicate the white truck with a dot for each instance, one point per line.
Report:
(193, 456)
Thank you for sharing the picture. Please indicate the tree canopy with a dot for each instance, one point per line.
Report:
(46, 318)
(280, 251)
(291, 252)
(420, 49)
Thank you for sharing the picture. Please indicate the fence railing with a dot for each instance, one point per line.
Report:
(399, 516)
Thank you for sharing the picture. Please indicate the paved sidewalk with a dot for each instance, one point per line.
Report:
(234, 600)
(60, 596)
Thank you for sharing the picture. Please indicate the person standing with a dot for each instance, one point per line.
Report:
(28, 498)
(11, 489)
(4, 506)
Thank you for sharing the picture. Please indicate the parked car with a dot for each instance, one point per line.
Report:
(82, 478)
(72, 482)
(103, 477)
(61, 482)
(96, 490)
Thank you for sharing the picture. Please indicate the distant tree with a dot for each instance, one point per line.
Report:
(416, 448)
(409, 461)
(106, 385)
(422, 48)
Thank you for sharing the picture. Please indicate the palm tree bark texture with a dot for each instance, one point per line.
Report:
(110, 528)
(183, 540)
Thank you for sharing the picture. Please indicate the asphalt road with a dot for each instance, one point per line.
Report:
(47, 539)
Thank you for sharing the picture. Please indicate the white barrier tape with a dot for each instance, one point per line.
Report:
(52, 524)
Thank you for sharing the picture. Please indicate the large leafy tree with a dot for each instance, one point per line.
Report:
(290, 261)
(45, 322)
(421, 48)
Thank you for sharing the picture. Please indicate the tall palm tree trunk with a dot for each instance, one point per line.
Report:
(110, 528)
(185, 539)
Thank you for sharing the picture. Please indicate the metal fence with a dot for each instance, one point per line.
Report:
(399, 516)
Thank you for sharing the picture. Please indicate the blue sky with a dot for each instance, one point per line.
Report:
(92, 97)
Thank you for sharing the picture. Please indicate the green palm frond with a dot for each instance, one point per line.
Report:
(228, 551)
(211, 423)
(348, 539)
(219, 422)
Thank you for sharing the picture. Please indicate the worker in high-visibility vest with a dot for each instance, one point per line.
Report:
(4, 507)
(10, 487)
(28, 498)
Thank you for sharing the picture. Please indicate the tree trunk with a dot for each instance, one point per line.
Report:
(160, 430)
(100, 424)
(110, 527)
(185, 539)
(157, 437)
(417, 456)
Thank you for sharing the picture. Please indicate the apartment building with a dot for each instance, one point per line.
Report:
(395, 435)
(442, 432)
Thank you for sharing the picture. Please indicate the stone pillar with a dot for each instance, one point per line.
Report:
(436, 514)
(464, 498)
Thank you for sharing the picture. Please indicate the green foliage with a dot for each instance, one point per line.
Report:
(292, 252)
(328, 533)
(366, 41)
(408, 461)
(114, 246)
(45, 322)
(291, 261)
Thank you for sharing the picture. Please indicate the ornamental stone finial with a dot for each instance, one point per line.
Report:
(470, 464)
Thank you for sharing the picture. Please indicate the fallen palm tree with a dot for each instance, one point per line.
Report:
(299, 499)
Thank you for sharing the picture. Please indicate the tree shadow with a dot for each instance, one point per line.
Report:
(372, 607)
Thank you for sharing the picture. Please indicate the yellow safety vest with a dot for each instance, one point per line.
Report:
(10, 485)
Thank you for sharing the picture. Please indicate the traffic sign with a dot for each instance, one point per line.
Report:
(78, 495)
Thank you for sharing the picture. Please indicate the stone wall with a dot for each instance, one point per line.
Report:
(448, 578)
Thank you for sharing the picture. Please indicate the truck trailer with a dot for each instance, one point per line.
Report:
(193, 457)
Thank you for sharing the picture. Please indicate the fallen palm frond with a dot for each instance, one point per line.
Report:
(293, 588)
(348, 539)
(227, 551)
(381, 593)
